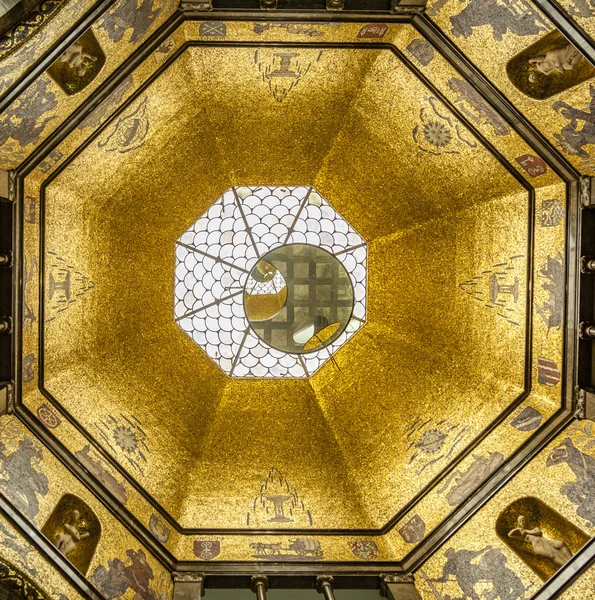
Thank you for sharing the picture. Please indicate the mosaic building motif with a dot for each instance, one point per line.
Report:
(65, 286)
(282, 70)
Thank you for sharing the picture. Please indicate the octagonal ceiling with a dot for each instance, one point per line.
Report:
(362, 444)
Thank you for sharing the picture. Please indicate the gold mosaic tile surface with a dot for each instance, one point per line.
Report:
(353, 445)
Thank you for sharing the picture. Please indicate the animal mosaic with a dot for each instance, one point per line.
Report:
(465, 482)
(136, 17)
(471, 103)
(581, 491)
(580, 131)
(21, 482)
(518, 17)
(552, 311)
(24, 120)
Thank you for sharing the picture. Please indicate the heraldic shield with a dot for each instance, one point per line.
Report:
(207, 550)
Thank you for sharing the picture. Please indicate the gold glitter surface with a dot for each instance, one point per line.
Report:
(494, 36)
(434, 365)
(230, 125)
(544, 478)
(115, 541)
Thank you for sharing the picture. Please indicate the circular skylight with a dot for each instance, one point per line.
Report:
(270, 282)
(298, 298)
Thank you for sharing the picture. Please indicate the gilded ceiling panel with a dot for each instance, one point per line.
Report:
(484, 561)
(493, 36)
(38, 111)
(349, 447)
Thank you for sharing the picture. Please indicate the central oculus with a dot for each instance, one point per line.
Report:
(298, 298)
(270, 281)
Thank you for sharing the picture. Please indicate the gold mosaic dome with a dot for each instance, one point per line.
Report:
(298, 295)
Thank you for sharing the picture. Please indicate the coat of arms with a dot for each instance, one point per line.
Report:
(207, 549)
(413, 531)
(364, 549)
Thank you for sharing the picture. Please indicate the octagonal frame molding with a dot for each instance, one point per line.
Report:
(459, 516)
(459, 457)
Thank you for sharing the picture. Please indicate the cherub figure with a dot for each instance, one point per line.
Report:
(553, 550)
(557, 60)
(67, 540)
(76, 58)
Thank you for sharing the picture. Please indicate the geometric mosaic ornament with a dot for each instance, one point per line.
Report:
(270, 282)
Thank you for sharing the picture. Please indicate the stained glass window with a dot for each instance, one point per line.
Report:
(271, 281)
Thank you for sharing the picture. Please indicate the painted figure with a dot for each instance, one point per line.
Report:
(21, 481)
(553, 550)
(555, 61)
(572, 138)
(518, 17)
(67, 540)
(76, 58)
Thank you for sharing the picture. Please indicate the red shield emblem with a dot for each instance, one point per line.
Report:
(48, 417)
(364, 549)
(547, 372)
(207, 550)
(413, 531)
(534, 165)
(373, 30)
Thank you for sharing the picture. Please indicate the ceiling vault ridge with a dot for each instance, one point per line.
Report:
(345, 118)
(347, 468)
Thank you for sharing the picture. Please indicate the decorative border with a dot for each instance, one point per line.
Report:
(19, 583)
(10, 40)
